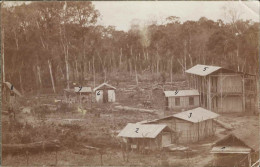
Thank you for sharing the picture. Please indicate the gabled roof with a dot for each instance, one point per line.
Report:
(196, 115)
(249, 135)
(142, 130)
(69, 91)
(82, 89)
(178, 93)
(246, 134)
(202, 70)
(103, 84)
(10, 86)
(230, 150)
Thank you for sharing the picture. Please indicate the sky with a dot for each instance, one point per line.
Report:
(121, 13)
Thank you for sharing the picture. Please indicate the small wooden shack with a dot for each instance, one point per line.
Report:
(182, 99)
(224, 90)
(9, 95)
(191, 126)
(84, 94)
(80, 95)
(105, 93)
(239, 148)
(149, 137)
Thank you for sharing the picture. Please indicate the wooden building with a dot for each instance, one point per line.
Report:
(105, 93)
(149, 137)
(10, 95)
(224, 90)
(84, 94)
(181, 99)
(190, 126)
(80, 95)
(240, 148)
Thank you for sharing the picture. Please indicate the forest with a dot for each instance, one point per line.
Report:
(52, 45)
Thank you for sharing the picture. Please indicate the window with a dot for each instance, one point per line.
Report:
(177, 101)
(191, 101)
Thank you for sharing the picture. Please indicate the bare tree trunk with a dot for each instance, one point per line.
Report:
(67, 68)
(190, 60)
(157, 65)
(39, 75)
(171, 68)
(3, 53)
(120, 58)
(238, 57)
(77, 70)
(136, 76)
(52, 81)
(94, 72)
(20, 79)
(89, 67)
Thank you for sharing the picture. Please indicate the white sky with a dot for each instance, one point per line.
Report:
(121, 13)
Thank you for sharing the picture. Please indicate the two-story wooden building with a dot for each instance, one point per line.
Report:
(224, 90)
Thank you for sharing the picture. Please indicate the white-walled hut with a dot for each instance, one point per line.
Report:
(150, 136)
(105, 93)
(182, 99)
(224, 90)
(190, 126)
(239, 148)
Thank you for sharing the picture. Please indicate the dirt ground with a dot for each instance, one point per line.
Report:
(75, 130)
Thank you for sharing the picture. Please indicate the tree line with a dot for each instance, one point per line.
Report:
(50, 45)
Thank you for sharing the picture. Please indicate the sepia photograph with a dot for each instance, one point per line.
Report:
(130, 83)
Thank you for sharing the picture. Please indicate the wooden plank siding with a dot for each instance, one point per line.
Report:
(184, 102)
(189, 132)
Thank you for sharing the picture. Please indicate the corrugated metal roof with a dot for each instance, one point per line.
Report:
(141, 130)
(82, 89)
(230, 150)
(178, 93)
(202, 70)
(103, 84)
(196, 115)
(9, 85)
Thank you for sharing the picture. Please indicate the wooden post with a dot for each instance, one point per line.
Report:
(198, 131)
(27, 158)
(56, 158)
(101, 158)
(249, 160)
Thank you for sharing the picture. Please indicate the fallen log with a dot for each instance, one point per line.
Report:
(35, 147)
(133, 109)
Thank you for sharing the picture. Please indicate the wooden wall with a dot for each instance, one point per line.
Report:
(229, 104)
(187, 131)
(184, 102)
(230, 84)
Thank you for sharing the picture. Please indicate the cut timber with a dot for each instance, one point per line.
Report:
(133, 109)
(31, 147)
